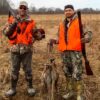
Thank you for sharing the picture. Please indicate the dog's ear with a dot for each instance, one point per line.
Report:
(39, 34)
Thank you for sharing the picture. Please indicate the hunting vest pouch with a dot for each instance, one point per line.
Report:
(25, 48)
(15, 49)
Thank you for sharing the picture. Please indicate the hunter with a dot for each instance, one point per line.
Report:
(69, 44)
(20, 32)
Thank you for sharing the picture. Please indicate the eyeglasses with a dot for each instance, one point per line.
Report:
(23, 7)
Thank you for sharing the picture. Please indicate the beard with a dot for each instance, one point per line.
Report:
(70, 16)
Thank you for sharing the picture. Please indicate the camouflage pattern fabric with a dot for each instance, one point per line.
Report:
(72, 64)
(16, 60)
(21, 48)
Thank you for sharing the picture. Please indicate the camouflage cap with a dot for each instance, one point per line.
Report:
(24, 3)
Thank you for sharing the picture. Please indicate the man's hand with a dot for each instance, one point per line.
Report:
(9, 29)
(51, 43)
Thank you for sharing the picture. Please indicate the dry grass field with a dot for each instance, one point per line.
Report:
(51, 23)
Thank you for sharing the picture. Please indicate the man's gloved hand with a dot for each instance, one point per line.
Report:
(10, 28)
(51, 43)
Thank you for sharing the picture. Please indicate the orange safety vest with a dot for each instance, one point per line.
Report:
(25, 36)
(73, 37)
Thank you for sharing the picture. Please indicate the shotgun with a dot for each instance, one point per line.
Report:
(87, 65)
(12, 11)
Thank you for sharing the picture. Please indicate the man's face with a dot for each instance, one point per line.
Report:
(22, 10)
(68, 12)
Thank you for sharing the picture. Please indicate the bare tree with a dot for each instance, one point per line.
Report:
(3, 7)
(42, 10)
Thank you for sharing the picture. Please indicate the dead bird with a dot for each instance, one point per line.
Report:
(50, 79)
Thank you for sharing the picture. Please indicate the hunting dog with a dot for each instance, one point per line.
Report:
(49, 79)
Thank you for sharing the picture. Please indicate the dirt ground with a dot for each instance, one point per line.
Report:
(51, 23)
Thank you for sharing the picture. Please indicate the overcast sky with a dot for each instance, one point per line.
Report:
(61, 3)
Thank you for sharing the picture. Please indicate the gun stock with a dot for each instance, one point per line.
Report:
(88, 68)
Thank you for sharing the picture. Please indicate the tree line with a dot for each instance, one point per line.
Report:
(4, 9)
(52, 10)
